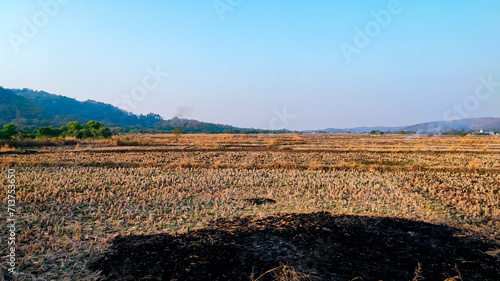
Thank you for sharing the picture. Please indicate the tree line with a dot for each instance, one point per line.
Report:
(91, 130)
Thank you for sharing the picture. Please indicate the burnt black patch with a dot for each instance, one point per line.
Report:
(319, 244)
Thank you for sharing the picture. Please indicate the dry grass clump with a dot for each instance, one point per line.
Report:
(135, 141)
(7, 148)
(474, 164)
(271, 143)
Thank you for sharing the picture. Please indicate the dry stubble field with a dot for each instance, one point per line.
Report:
(335, 207)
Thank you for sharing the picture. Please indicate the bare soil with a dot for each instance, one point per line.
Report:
(318, 244)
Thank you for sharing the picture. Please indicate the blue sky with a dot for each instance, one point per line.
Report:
(262, 64)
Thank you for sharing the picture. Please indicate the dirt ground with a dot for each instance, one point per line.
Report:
(319, 244)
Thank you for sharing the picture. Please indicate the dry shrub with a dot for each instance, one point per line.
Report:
(6, 148)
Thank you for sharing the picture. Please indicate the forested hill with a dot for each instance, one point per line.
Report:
(30, 108)
(19, 110)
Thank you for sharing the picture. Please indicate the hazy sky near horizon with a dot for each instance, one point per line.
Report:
(263, 64)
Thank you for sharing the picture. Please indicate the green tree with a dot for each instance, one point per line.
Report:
(84, 134)
(3, 135)
(63, 131)
(177, 131)
(47, 132)
(98, 130)
(74, 126)
(8, 132)
(26, 132)
(93, 125)
(103, 132)
(73, 129)
(10, 129)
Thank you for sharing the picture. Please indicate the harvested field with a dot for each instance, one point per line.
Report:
(270, 198)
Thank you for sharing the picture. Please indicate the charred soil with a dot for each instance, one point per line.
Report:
(320, 245)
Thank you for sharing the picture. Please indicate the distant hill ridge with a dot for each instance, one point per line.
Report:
(481, 123)
(31, 108)
(27, 107)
